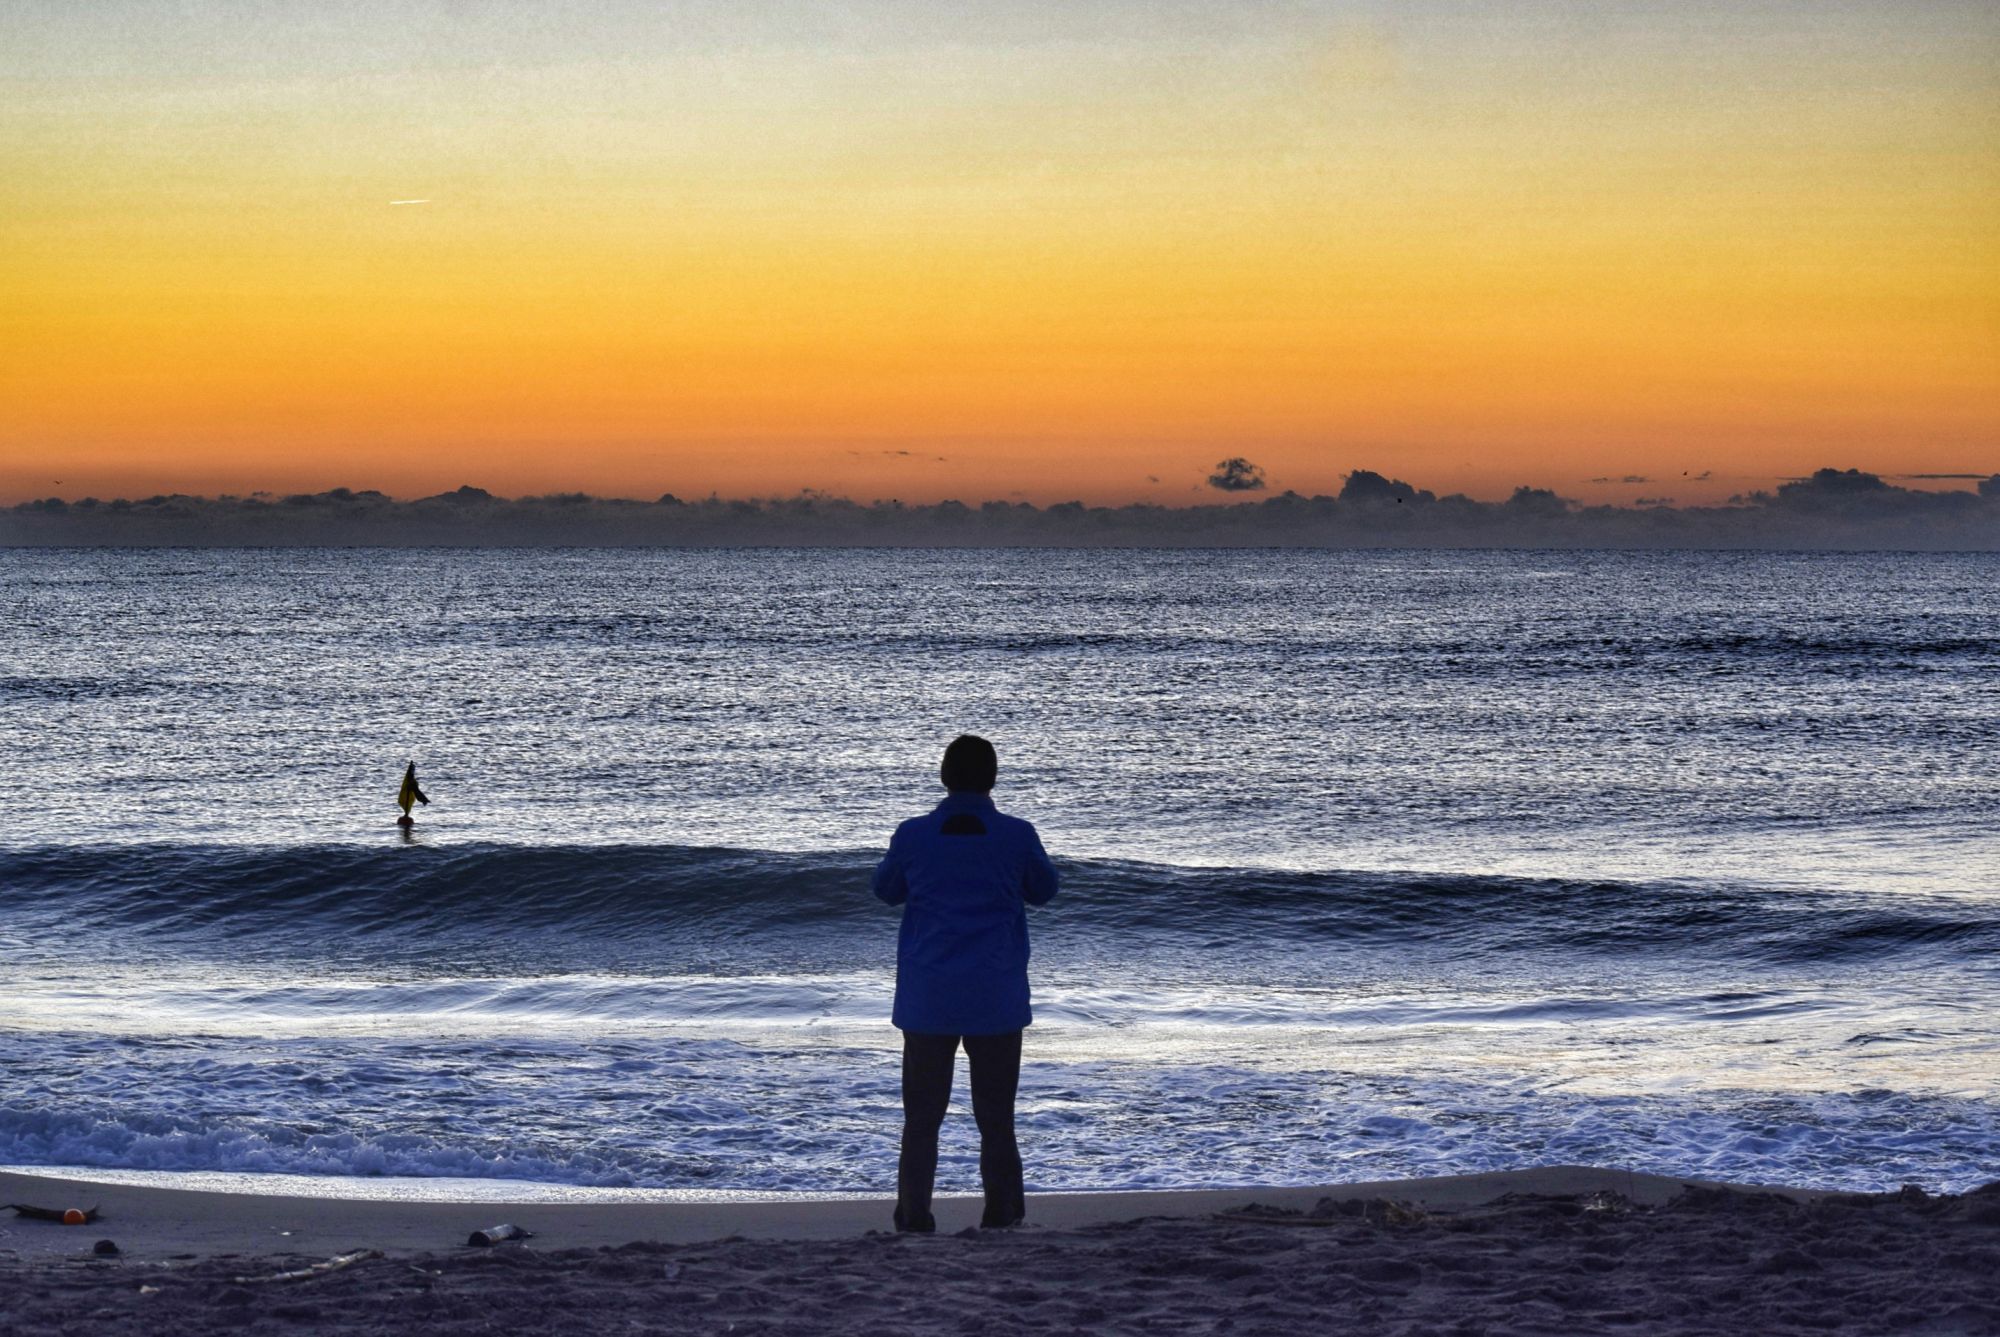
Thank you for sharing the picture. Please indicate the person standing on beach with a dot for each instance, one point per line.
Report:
(964, 874)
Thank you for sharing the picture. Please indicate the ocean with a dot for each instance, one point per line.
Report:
(1375, 863)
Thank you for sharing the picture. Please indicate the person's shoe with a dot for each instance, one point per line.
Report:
(989, 1221)
(915, 1223)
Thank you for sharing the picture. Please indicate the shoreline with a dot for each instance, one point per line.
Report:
(150, 1222)
(1555, 1251)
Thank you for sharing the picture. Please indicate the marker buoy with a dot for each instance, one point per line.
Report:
(68, 1216)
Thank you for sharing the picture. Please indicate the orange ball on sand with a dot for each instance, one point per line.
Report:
(73, 1217)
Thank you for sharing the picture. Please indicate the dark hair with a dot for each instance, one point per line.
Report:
(969, 764)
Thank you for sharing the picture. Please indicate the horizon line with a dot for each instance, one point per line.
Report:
(1357, 484)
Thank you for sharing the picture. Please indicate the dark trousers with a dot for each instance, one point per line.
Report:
(995, 1061)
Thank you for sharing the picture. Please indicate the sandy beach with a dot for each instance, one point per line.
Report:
(1555, 1250)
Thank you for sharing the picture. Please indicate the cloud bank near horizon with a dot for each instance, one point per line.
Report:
(1834, 509)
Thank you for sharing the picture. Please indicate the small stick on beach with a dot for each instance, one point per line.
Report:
(333, 1264)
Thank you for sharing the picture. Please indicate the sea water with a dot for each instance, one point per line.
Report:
(1374, 864)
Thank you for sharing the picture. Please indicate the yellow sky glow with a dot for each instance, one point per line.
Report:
(1469, 256)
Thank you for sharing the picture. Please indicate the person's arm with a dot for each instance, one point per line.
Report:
(1039, 886)
(892, 887)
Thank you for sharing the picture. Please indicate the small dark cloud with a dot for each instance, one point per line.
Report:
(1855, 495)
(1955, 477)
(336, 498)
(1834, 483)
(1237, 474)
(464, 495)
(1365, 487)
(1152, 478)
(1628, 478)
(1537, 501)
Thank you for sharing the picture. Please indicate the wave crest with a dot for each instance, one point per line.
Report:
(759, 905)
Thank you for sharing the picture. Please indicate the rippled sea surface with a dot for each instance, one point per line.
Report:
(1375, 863)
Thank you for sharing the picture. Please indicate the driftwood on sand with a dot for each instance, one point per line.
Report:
(333, 1264)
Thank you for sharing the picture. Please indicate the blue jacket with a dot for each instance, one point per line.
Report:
(964, 874)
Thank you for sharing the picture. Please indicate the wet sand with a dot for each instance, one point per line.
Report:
(1556, 1250)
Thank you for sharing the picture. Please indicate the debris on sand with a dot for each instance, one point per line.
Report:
(333, 1264)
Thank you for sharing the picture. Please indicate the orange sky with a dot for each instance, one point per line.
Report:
(1008, 252)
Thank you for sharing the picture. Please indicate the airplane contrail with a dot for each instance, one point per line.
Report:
(409, 201)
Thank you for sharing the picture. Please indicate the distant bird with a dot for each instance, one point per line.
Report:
(409, 794)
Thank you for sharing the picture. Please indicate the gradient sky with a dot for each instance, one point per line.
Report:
(983, 250)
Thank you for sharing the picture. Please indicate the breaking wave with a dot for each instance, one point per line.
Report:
(766, 907)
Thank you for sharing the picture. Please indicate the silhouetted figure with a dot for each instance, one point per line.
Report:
(409, 794)
(964, 874)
